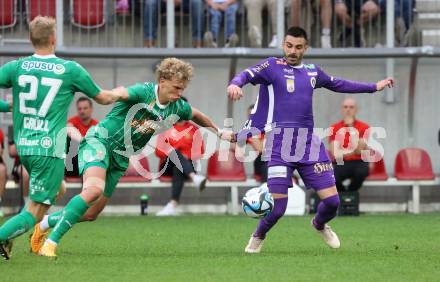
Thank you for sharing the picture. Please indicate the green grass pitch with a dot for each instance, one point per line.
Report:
(210, 248)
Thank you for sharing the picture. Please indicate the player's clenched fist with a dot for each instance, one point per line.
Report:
(380, 85)
(234, 92)
(227, 135)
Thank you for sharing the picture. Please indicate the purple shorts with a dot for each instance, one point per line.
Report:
(313, 165)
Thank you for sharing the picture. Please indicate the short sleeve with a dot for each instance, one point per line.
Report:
(142, 93)
(186, 112)
(84, 83)
(7, 72)
(137, 93)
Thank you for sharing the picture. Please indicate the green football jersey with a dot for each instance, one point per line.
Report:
(43, 88)
(131, 124)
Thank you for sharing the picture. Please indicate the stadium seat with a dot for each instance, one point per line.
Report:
(257, 177)
(377, 171)
(132, 176)
(229, 170)
(40, 7)
(73, 179)
(88, 13)
(8, 13)
(413, 164)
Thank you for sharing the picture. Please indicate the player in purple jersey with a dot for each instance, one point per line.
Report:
(284, 112)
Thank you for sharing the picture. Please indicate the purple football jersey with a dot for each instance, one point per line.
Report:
(286, 92)
(284, 108)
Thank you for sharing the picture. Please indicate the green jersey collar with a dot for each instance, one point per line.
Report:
(161, 106)
(51, 56)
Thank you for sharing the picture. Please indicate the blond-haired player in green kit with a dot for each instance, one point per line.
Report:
(43, 87)
(104, 152)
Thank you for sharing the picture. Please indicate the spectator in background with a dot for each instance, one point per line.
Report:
(254, 9)
(122, 8)
(257, 142)
(404, 13)
(404, 9)
(325, 8)
(364, 11)
(77, 128)
(3, 171)
(217, 10)
(187, 148)
(348, 139)
(151, 12)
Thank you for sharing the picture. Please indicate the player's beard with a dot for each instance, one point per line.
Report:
(296, 60)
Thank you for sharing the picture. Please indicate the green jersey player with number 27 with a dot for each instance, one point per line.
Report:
(43, 86)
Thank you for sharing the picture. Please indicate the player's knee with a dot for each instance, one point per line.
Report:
(332, 202)
(93, 188)
(278, 213)
(91, 194)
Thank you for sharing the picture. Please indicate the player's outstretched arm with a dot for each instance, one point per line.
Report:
(204, 121)
(106, 97)
(380, 85)
(258, 74)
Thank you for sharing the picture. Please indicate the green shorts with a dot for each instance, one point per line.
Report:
(94, 151)
(45, 177)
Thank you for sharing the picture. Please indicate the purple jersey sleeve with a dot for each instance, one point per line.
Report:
(342, 85)
(258, 74)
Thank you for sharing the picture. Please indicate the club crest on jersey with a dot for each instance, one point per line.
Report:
(290, 85)
(313, 82)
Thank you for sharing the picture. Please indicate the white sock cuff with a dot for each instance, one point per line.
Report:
(52, 242)
(44, 223)
(325, 31)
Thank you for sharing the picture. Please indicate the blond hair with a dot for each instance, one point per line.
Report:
(171, 68)
(40, 30)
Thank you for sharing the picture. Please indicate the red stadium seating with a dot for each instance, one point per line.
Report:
(229, 170)
(413, 164)
(73, 179)
(8, 13)
(40, 7)
(132, 176)
(88, 13)
(377, 171)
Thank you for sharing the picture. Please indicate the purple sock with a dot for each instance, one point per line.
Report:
(269, 221)
(327, 209)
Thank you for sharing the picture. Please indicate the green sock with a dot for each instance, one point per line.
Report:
(53, 218)
(17, 225)
(71, 214)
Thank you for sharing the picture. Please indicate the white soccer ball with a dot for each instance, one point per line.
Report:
(257, 202)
